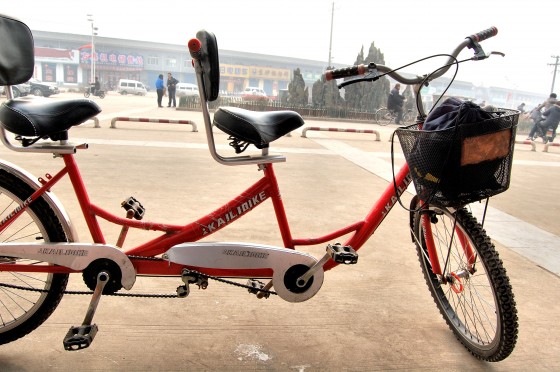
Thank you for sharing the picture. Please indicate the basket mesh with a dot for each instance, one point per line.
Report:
(462, 164)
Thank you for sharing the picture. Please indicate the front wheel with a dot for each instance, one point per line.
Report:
(473, 293)
(86, 94)
(27, 299)
(383, 116)
(101, 95)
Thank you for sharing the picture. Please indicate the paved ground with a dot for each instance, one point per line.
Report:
(376, 315)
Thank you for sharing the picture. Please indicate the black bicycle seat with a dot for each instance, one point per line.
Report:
(37, 117)
(257, 128)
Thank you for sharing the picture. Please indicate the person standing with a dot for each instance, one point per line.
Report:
(159, 89)
(171, 86)
(395, 102)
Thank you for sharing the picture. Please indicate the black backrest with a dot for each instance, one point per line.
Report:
(210, 64)
(17, 54)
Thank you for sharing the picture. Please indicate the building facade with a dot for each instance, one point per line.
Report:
(66, 59)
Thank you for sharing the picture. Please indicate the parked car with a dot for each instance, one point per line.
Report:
(41, 88)
(19, 90)
(254, 94)
(187, 90)
(131, 87)
(254, 91)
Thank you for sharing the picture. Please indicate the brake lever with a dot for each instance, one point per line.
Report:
(481, 56)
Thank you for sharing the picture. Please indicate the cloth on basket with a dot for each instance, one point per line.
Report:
(455, 111)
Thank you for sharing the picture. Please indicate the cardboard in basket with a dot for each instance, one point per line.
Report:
(486, 147)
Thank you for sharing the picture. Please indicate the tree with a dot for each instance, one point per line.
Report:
(326, 93)
(298, 94)
(367, 96)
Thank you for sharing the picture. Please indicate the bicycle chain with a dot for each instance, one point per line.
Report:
(218, 279)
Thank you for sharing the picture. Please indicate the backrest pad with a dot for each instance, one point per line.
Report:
(17, 54)
(210, 64)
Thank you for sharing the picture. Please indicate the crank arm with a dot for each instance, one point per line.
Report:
(340, 254)
(82, 336)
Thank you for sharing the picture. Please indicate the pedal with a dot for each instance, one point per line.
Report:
(82, 336)
(343, 254)
(79, 337)
(257, 288)
(131, 204)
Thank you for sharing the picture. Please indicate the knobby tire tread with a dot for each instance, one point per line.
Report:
(499, 282)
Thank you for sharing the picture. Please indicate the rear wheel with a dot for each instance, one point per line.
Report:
(26, 299)
(475, 298)
(86, 94)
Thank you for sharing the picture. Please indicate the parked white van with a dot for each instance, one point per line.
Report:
(187, 89)
(131, 87)
(254, 91)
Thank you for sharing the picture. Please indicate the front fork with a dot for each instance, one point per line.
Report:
(447, 276)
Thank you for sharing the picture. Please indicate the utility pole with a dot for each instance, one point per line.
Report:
(330, 43)
(555, 64)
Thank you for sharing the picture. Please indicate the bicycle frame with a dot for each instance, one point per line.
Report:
(263, 189)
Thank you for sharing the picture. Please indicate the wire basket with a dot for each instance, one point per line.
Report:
(462, 164)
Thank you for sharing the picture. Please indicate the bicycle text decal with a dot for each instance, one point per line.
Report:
(16, 211)
(234, 213)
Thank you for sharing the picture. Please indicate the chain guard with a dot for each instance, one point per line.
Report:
(287, 265)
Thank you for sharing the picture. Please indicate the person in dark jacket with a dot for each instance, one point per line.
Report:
(395, 102)
(551, 119)
(171, 87)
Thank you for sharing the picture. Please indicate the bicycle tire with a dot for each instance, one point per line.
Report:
(22, 311)
(383, 117)
(483, 316)
(407, 118)
(86, 94)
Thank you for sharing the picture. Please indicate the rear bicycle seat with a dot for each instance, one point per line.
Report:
(32, 119)
(39, 118)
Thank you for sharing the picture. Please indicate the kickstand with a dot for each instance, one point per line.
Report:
(82, 336)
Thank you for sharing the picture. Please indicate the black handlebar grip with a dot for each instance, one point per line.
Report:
(483, 35)
(346, 72)
(194, 46)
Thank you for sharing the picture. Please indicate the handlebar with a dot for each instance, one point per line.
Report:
(483, 35)
(470, 42)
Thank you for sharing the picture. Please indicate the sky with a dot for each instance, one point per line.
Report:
(404, 30)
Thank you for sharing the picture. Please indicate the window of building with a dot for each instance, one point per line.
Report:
(170, 62)
(154, 61)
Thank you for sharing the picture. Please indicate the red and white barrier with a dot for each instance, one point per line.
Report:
(553, 144)
(377, 137)
(527, 142)
(95, 121)
(151, 120)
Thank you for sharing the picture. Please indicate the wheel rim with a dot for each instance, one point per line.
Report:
(16, 305)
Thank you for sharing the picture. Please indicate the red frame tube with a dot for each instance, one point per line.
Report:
(264, 188)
